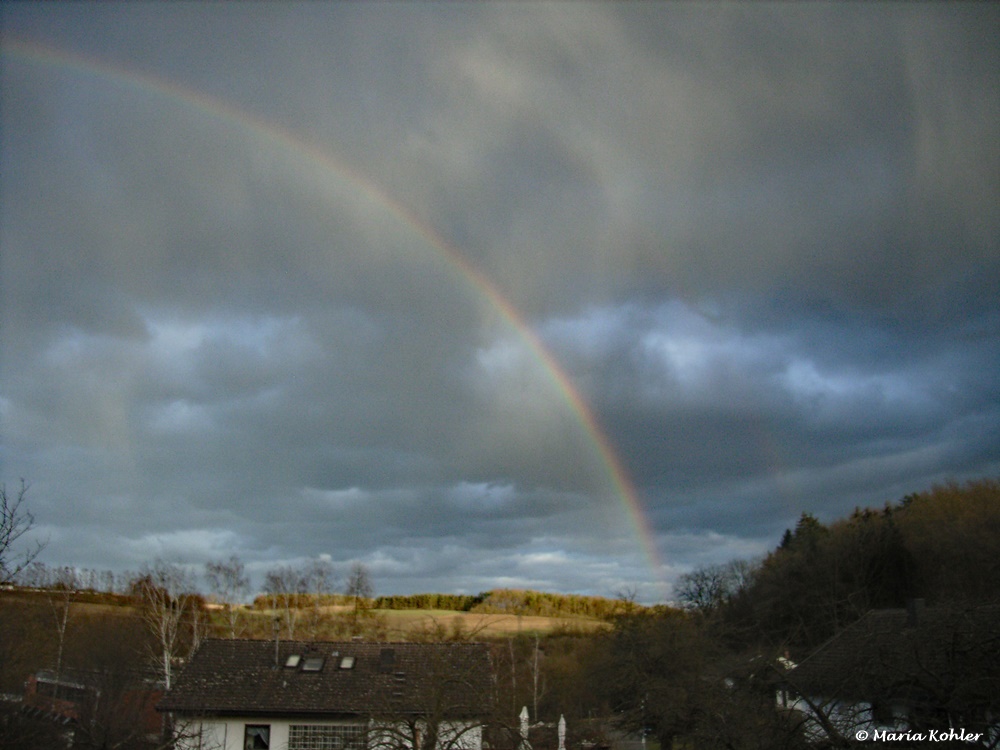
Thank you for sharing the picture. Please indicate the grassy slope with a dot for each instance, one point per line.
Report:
(420, 624)
(408, 620)
(395, 624)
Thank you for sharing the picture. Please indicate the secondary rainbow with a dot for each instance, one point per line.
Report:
(230, 115)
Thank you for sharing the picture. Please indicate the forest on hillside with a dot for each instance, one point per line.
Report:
(698, 673)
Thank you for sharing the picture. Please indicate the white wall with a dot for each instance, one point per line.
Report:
(847, 718)
(464, 735)
(228, 733)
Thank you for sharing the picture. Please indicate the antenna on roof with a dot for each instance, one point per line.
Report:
(386, 660)
(277, 632)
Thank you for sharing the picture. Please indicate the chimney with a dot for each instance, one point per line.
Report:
(386, 660)
(914, 612)
(277, 639)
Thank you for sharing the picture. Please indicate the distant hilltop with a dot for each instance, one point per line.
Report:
(521, 602)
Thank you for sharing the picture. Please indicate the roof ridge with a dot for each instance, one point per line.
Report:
(387, 644)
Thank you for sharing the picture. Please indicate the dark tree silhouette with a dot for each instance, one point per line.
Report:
(15, 522)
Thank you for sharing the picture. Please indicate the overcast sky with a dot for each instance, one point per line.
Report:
(404, 283)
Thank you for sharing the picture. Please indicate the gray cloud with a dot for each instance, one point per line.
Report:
(760, 241)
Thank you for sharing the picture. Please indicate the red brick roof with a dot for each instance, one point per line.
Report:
(241, 677)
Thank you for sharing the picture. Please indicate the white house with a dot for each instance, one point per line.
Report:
(921, 673)
(295, 695)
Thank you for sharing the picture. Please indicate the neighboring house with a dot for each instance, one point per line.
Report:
(294, 695)
(64, 696)
(918, 670)
(91, 703)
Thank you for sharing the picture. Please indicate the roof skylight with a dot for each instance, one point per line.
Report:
(312, 664)
(293, 661)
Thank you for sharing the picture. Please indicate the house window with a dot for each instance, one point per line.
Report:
(63, 690)
(327, 737)
(257, 736)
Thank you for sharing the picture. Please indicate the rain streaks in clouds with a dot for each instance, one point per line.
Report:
(761, 243)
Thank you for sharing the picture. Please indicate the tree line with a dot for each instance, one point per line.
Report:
(524, 602)
(941, 545)
(309, 585)
(706, 674)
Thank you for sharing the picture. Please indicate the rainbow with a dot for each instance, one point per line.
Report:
(232, 116)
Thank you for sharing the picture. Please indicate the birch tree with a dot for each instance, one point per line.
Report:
(283, 585)
(228, 581)
(161, 593)
(319, 580)
(60, 595)
(359, 588)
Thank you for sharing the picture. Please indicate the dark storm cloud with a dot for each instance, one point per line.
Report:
(761, 240)
(702, 404)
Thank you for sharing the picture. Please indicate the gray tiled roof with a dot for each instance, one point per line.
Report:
(241, 677)
(888, 652)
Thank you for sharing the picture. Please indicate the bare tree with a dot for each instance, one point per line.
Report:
(513, 678)
(626, 600)
(708, 588)
(319, 581)
(21, 731)
(359, 588)
(161, 592)
(448, 695)
(183, 734)
(283, 586)
(320, 577)
(60, 596)
(115, 710)
(15, 522)
(536, 677)
(229, 582)
(916, 669)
